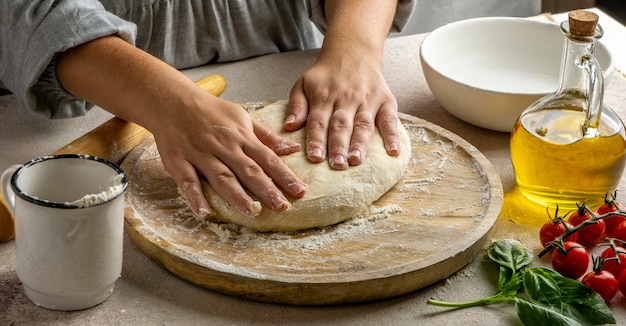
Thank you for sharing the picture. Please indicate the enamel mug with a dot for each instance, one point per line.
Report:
(69, 227)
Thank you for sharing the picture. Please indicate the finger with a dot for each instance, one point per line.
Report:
(363, 130)
(226, 184)
(279, 173)
(387, 122)
(297, 108)
(253, 177)
(188, 182)
(339, 135)
(276, 143)
(317, 132)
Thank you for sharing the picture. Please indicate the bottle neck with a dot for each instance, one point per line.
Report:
(574, 74)
(581, 79)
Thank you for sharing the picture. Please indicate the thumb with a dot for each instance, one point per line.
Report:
(297, 108)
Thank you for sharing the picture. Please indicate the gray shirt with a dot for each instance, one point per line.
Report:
(183, 33)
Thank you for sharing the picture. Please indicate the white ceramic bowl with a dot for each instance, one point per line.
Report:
(486, 71)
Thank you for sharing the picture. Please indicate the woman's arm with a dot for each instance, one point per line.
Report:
(197, 134)
(343, 97)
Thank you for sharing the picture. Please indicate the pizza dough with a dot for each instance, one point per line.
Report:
(332, 196)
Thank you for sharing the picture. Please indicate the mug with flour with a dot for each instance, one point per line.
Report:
(69, 227)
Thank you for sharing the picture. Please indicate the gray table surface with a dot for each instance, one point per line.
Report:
(147, 294)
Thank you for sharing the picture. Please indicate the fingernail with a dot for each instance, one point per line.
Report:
(297, 189)
(193, 197)
(203, 212)
(290, 119)
(315, 154)
(254, 208)
(338, 162)
(281, 203)
(287, 147)
(355, 156)
(393, 149)
(198, 208)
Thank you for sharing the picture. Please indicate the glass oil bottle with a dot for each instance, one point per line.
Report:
(568, 147)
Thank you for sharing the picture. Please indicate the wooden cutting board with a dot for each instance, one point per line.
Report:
(431, 224)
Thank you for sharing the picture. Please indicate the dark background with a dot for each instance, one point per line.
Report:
(615, 9)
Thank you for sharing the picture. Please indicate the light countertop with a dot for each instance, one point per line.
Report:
(147, 294)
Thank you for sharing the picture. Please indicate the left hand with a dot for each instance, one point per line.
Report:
(342, 99)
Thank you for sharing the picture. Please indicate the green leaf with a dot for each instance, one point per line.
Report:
(541, 288)
(510, 253)
(576, 301)
(512, 287)
(504, 277)
(535, 315)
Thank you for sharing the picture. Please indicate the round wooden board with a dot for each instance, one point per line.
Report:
(431, 224)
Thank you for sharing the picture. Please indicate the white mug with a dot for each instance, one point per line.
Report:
(69, 228)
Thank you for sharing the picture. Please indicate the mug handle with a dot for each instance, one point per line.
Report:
(7, 192)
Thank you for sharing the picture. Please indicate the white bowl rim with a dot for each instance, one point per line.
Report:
(610, 67)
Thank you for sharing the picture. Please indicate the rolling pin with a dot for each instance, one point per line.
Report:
(112, 140)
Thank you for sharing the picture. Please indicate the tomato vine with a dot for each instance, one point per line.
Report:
(557, 243)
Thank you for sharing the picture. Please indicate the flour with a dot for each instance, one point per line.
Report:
(179, 223)
(113, 191)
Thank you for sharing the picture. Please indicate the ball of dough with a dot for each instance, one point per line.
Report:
(332, 196)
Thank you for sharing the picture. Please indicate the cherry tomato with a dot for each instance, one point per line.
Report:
(553, 229)
(620, 231)
(591, 234)
(611, 222)
(603, 282)
(621, 282)
(611, 264)
(574, 263)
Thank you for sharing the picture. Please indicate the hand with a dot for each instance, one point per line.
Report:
(344, 96)
(342, 101)
(234, 154)
(197, 134)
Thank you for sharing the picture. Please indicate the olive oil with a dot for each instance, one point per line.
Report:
(568, 148)
(555, 163)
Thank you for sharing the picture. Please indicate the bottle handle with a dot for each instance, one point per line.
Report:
(595, 94)
(7, 192)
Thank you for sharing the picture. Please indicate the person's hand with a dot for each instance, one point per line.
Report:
(233, 153)
(197, 134)
(344, 97)
(342, 100)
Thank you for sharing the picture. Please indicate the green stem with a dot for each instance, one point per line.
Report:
(498, 297)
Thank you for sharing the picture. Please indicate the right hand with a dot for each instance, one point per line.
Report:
(197, 134)
(220, 142)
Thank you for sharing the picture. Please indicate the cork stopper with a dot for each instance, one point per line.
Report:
(582, 23)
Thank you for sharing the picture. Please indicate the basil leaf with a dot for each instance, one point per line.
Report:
(512, 287)
(576, 300)
(504, 277)
(541, 288)
(510, 254)
(536, 315)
